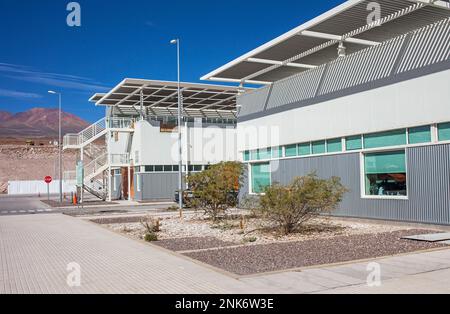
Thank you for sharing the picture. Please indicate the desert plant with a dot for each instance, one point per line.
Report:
(150, 237)
(172, 208)
(289, 207)
(150, 224)
(250, 239)
(215, 190)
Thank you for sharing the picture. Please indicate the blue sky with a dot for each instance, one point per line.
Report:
(119, 39)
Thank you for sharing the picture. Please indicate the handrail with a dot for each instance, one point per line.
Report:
(119, 159)
(96, 129)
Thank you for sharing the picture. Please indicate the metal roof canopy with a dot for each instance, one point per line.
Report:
(316, 42)
(160, 98)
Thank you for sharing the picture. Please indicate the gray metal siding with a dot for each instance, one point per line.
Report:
(156, 186)
(428, 185)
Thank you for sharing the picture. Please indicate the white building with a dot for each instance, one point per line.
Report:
(132, 153)
(361, 92)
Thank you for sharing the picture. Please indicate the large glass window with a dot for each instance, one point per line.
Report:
(291, 151)
(334, 145)
(444, 131)
(385, 139)
(264, 154)
(277, 152)
(319, 147)
(260, 177)
(247, 156)
(304, 149)
(419, 135)
(354, 143)
(385, 174)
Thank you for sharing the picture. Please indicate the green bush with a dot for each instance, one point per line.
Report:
(215, 190)
(289, 207)
(150, 224)
(151, 237)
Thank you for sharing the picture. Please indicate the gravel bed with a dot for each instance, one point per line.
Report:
(118, 220)
(92, 212)
(256, 259)
(195, 226)
(191, 244)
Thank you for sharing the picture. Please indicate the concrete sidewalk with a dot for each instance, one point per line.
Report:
(36, 250)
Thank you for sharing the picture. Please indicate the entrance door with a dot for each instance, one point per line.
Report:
(125, 192)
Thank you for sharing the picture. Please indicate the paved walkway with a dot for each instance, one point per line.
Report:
(35, 251)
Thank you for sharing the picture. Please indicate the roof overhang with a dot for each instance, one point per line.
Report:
(160, 98)
(319, 40)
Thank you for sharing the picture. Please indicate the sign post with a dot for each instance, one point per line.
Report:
(48, 180)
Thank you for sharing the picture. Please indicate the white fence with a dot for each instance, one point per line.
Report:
(39, 187)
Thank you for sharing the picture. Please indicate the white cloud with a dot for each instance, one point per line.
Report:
(29, 74)
(17, 94)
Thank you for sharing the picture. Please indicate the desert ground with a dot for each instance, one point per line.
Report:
(19, 161)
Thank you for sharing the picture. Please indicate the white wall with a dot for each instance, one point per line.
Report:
(416, 102)
(120, 146)
(205, 145)
(39, 187)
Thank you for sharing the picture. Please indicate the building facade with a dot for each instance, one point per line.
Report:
(376, 115)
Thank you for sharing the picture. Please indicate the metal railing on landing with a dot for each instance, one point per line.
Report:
(120, 123)
(97, 130)
(119, 159)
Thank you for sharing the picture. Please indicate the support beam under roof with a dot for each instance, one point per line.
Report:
(337, 37)
(273, 62)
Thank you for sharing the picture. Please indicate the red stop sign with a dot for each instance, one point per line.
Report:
(48, 179)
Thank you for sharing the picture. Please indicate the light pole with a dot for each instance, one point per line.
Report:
(180, 147)
(59, 144)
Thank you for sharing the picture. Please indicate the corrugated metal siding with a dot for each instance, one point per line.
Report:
(428, 185)
(428, 46)
(294, 88)
(362, 67)
(253, 101)
(422, 48)
(156, 186)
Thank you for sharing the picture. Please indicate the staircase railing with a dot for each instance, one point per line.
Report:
(92, 169)
(97, 129)
(93, 131)
(93, 151)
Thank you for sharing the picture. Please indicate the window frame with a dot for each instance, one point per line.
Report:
(363, 175)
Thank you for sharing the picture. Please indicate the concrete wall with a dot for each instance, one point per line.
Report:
(428, 185)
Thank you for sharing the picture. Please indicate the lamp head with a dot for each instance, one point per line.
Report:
(174, 41)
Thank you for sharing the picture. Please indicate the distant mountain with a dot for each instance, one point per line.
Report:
(38, 123)
(5, 115)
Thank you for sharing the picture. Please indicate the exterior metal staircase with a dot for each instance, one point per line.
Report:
(85, 137)
(99, 161)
